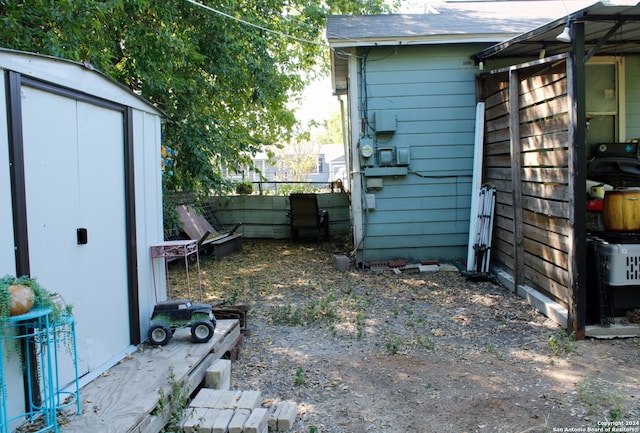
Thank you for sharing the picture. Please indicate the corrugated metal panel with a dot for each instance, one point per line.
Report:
(598, 21)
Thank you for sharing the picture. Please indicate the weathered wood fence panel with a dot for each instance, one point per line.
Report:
(531, 229)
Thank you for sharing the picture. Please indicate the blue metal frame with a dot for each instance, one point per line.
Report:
(40, 337)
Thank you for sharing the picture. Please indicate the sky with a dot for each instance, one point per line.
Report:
(318, 100)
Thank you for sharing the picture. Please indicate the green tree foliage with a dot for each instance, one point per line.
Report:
(223, 83)
(331, 131)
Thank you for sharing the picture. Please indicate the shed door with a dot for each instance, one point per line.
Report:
(74, 169)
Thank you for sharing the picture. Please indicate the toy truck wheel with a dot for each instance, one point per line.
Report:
(202, 331)
(160, 334)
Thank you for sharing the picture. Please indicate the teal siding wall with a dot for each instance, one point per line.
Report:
(424, 214)
(632, 84)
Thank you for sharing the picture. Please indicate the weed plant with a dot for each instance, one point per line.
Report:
(301, 379)
(601, 399)
(392, 344)
(491, 348)
(175, 403)
(561, 343)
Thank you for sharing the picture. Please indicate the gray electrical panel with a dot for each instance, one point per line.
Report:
(385, 121)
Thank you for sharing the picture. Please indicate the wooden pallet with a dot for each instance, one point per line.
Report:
(126, 397)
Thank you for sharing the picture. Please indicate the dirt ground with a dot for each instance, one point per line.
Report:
(363, 351)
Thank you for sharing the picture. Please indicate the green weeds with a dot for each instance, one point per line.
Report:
(174, 402)
(561, 343)
(491, 348)
(301, 378)
(600, 398)
(392, 344)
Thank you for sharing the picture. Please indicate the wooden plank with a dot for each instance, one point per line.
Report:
(123, 399)
(543, 79)
(503, 188)
(497, 124)
(553, 140)
(504, 211)
(554, 224)
(544, 236)
(503, 253)
(496, 147)
(498, 111)
(547, 174)
(506, 236)
(546, 207)
(556, 123)
(544, 110)
(499, 93)
(548, 191)
(546, 158)
(543, 283)
(516, 176)
(501, 173)
(577, 179)
(537, 92)
(502, 160)
(503, 224)
(543, 252)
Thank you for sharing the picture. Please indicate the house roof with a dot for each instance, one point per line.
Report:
(608, 29)
(450, 22)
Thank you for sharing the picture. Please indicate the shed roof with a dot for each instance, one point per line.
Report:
(449, 22)
(609, 30)
(82, 77)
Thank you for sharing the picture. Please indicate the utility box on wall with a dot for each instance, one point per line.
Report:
(386, 156)
(385, 121)
(403, 156)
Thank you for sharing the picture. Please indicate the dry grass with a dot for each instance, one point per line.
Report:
(366, 352)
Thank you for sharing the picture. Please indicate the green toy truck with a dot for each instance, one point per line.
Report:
(181, 313)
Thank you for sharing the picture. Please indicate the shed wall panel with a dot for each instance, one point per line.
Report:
(78, 185)
(149, 222)
(7, 253)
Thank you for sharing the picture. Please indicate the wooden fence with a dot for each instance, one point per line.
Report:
(527, 157)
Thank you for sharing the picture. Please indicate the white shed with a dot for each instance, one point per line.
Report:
(80, 157)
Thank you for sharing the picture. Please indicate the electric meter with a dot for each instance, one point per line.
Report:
(366, 150)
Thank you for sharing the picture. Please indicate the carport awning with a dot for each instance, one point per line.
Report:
(609, 30)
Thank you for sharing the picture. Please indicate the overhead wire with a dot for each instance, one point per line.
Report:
(257, 26)
(340, 53)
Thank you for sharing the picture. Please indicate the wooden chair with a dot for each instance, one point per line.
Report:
(305, 214)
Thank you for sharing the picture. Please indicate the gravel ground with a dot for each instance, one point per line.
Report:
(364, 351)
